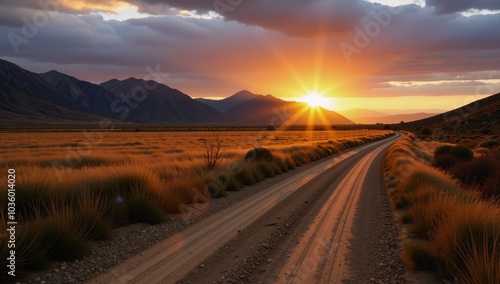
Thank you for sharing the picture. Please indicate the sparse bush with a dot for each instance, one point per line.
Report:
(490, 144)
(444, 161)
(462, 153)
(442, 150)
(212, 147)
(259, 154)
(475, 171)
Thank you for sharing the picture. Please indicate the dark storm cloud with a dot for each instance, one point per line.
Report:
(293, 17)
(258, 41)
(452, 6)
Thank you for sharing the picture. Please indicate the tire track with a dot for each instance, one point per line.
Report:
(320, 255)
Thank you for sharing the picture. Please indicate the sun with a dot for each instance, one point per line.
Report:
(314, 99)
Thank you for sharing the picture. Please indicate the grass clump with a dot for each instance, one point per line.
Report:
(455, 233)
(420, 255)
(259, 154)
(462, 153)
(145, 207)
(59, 234)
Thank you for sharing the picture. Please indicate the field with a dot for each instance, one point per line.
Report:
(72, 188)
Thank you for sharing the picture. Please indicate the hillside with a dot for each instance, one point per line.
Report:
(28, 99)
(391, 119)
(229, 102)
(356, 113)
(89, 97)
(269, 110)
(472, 121)
(151, 102)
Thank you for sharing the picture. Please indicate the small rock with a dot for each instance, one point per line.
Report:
(202, 265)
(269, 260)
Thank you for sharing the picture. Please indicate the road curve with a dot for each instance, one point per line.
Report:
(170, 260)
(320, 256)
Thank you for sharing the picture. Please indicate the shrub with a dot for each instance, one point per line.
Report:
(444, 161)
(474, 229)
(59, 234)
(426, 131)
(259, 154)
(420, 254)
(144, 207)
(490, 144)
(426, 216)
(32, 252)
(442, 150)
(215, 189)
(462, 153)
(475, 171)
(490, 188)
(266, 169)
(246, 176)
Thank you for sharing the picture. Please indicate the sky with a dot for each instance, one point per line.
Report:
(383, 54)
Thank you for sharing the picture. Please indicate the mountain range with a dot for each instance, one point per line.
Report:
(53, 97)
(28, 98)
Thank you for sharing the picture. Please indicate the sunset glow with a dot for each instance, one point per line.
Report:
(315, 99)
(283, 52)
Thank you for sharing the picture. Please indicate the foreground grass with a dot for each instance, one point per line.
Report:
(61, 206)
(453, 231)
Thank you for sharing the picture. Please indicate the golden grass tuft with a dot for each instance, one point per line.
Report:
(456, 233)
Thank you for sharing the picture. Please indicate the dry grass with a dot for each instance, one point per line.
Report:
(74, 187)
(453, 231)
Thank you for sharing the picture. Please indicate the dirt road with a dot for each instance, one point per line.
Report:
(298, 231)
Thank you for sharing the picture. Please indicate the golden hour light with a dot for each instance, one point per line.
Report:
(314, 99)
(162, 128)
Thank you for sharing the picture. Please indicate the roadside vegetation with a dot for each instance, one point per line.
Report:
(70, 191)
(447, 197)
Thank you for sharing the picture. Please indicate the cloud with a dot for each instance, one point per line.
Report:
(447, 6)
(453, 6)
(279, 47)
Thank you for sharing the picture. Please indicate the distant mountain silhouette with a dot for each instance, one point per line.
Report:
(356, 113)
(269, 110)
(229, 102)
(54, 97)
(151, 102)
(390, 119)
(26, 98)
